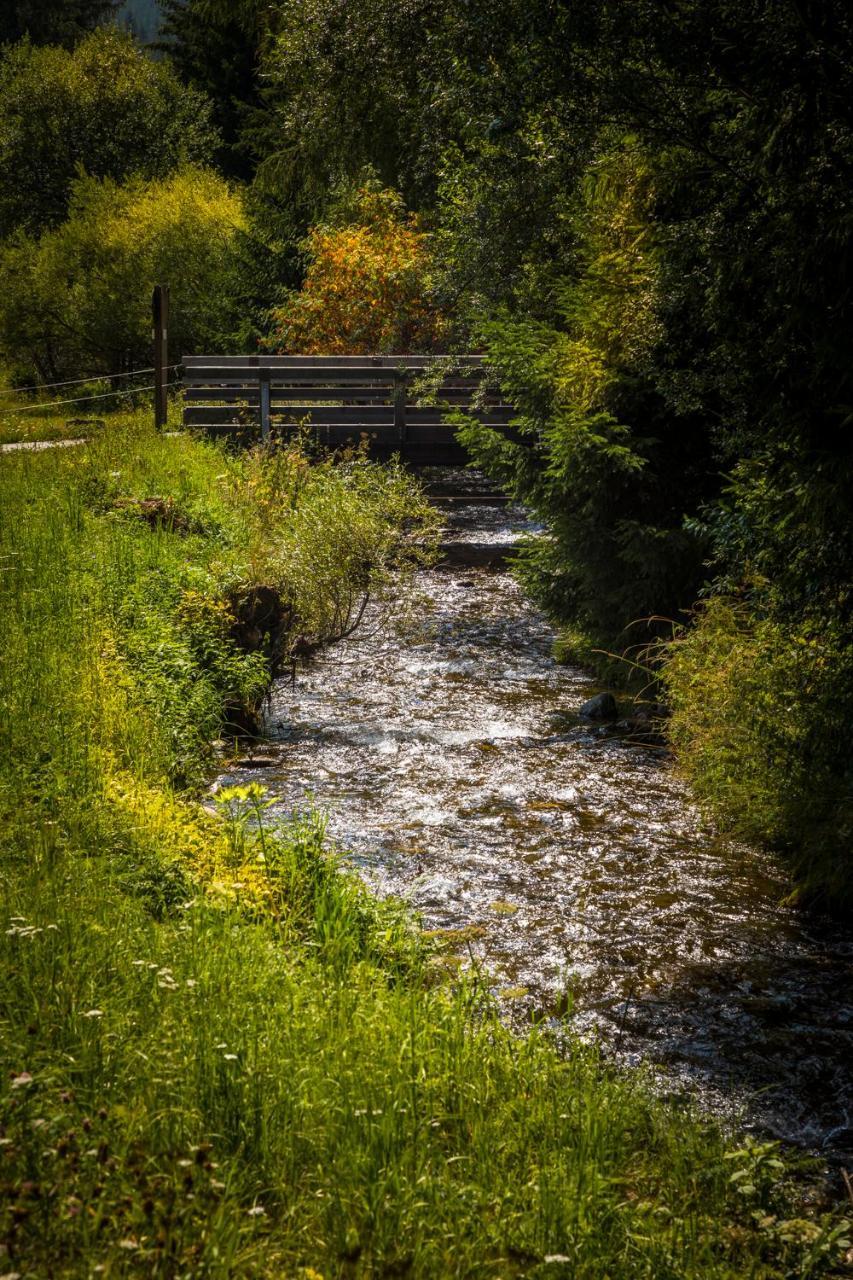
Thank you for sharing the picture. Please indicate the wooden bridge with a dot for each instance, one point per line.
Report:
(339, 399)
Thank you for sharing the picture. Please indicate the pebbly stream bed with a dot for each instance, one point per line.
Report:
(456, 773)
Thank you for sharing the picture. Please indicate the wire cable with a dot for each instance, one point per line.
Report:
(109, 395)
(79, 382)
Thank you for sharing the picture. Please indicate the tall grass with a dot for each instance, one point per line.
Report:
(219, 1056)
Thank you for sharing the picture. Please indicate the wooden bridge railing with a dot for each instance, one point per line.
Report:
(340, 397)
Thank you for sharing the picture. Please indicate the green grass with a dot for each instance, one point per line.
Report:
(25, 419)
(220, 1057)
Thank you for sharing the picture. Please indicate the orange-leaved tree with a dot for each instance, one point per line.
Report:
(366, 288)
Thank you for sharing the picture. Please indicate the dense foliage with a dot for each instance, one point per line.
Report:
(600, 456)
(101, 108)
(52, 21)
(215, 47)
(367, 284)
(58, 293)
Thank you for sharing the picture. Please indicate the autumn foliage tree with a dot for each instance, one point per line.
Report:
(367, 285)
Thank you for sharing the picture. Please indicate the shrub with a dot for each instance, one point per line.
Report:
(597, 454)
(761, 716)
(366, 288)
(80, 296)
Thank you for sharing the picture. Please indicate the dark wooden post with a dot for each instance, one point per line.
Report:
(264, 389)
(160, 309)
(400, 398)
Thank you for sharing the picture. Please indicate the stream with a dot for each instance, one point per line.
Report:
(457, 774)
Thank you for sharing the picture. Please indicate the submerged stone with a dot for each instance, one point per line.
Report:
(601, 707)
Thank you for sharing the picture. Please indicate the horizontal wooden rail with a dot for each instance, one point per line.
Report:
(333, 362)
(341, 397)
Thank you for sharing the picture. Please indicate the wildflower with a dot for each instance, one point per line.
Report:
(230, 1057)
(94, 1013)
(21, 1081)
(257, 1211)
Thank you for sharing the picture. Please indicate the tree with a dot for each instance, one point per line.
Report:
(105, 108)
(382, 84)
(598, 452)
(53, 21)
(366, 288)
(78, 299)
(216, 47)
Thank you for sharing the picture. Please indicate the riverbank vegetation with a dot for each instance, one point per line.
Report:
(221, 1056)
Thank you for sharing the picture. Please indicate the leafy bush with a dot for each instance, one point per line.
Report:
(761, 718)
(366, 288)
(329, 534)
(80, 296)
(104, 108)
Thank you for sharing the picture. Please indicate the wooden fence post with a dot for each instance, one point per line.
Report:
(160, 310)
(400, 399)
(264, 389)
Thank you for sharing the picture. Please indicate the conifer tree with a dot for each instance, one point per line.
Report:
(53, 21)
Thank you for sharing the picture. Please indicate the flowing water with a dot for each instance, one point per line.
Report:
(457, 773)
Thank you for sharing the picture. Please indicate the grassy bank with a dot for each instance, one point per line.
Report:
(759, 713)
(78, 412)
(219, 1056)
